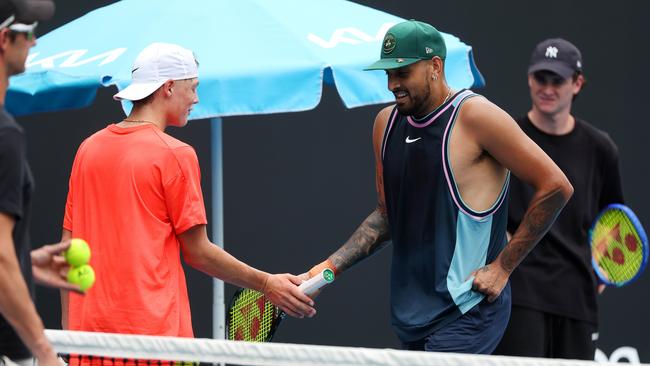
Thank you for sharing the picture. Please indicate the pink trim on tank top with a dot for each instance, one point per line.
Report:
(390, 126)
(448, 176)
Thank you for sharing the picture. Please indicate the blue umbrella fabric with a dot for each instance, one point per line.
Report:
(256, 56)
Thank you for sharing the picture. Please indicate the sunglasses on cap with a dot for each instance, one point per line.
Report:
(29, 30)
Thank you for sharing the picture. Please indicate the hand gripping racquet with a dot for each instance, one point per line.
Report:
(255, 319)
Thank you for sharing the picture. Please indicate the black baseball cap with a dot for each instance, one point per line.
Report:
(25, 11)
(557, 55)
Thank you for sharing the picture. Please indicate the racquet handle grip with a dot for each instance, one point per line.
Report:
(315, 283)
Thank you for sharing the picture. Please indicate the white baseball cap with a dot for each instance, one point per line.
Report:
(156, 64)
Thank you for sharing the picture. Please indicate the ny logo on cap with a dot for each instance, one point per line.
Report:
(389, 43)
(551, 52)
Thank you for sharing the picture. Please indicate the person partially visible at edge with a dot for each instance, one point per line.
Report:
(555, 312)
(22, 339)
(135, 196)
(443, 160)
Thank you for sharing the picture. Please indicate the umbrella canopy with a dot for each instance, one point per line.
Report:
(256, 56)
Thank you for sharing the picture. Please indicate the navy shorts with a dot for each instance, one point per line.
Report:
(477, 331)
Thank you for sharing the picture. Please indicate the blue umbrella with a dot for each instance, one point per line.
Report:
(256, 56)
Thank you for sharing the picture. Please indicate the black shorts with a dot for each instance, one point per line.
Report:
(533, 333)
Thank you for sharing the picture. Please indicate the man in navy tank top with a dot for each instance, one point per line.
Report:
(443, 161)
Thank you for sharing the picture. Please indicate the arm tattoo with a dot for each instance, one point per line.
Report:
(538, 219)
(369, 238)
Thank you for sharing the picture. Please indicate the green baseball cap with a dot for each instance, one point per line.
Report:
(409, 42)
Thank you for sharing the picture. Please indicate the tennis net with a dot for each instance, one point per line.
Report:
(118, 349)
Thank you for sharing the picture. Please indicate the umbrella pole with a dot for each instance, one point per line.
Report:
(218, 305)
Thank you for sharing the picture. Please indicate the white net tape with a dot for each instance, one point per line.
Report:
(271, 354)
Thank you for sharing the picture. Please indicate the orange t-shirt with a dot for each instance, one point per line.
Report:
(132, 192)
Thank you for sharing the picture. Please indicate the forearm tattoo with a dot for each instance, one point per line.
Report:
(370, 237)
(538, 219)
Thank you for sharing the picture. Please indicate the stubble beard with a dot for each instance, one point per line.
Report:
(419, 104)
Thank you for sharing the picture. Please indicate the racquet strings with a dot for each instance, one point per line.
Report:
(616, 246)
(251, 317)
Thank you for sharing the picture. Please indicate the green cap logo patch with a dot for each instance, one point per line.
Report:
(389, 43)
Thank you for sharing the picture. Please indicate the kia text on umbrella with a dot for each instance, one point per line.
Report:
(350, 35)
(72, 58)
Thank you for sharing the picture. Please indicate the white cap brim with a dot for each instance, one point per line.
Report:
(138, 91)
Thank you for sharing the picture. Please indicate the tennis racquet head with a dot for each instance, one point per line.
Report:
(619, 245)
(252, 317)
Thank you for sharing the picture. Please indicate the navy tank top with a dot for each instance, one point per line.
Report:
(437, 239)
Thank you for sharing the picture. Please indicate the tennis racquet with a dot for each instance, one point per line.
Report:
(255, 319)
(619, 245)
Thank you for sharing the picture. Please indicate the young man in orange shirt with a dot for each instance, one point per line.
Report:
(135, 196)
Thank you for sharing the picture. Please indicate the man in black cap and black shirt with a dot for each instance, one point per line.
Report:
(554, 309)
(22, 339)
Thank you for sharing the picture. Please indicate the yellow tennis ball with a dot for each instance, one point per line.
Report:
(84, 276)
(78, 253)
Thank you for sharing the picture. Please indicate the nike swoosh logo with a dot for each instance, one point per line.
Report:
(132, 71)
(410, 141)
